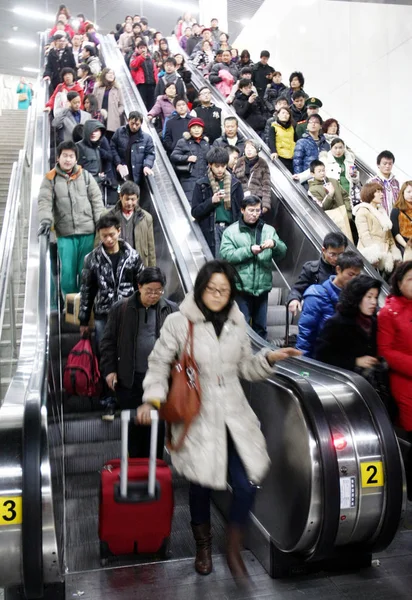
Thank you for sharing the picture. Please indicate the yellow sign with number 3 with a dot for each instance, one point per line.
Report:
(11, 512)
(372, 474)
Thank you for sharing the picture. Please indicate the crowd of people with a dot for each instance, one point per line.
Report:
(107, 251)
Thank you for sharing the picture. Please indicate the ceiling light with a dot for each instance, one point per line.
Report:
(22, 42)
(32, 14)
(15, 28)
(30, 69)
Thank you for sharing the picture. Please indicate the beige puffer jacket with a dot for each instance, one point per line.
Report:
(222, 361)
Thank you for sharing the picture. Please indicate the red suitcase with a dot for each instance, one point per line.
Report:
(136, 500)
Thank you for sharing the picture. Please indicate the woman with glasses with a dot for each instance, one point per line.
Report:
(132, 329)
(225, 439)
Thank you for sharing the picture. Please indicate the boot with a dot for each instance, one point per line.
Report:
(203, 538)
(234, 547)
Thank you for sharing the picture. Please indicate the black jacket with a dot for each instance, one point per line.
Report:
(259, 77)
(95, 158)
(222, 142)
(184, 148)
(192, 42)
(253, 113)
(272, 93)
(313, 271)
(203, 209)
(212, 118)
(55, 64)
(118, 345)
(298, 115)
(343, 340)
(142, 151)
(175, 127)
(179, 83)
(100, 286)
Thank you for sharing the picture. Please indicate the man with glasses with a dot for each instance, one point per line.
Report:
(251, 246)
(317, 271)
(132, 329)
(110, 272)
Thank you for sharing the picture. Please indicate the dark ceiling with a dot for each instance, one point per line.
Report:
(162, 14)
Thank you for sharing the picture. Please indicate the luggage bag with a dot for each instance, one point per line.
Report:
(136, 500)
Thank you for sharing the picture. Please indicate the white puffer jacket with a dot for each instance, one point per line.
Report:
(333, 168)
(222, 361)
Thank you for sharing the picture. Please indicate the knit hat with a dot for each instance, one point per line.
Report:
(196, 121)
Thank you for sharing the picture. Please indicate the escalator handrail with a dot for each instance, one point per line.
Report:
(295, 188)
(160, 151)
(390, 450)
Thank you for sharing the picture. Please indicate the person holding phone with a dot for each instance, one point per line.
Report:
(216, 198)
(339, 164)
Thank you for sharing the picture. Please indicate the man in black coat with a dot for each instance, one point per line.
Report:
(249, 106)
(231, 136)
(262, 73)
(58, 57)
(216, 199)
(177, 124)
(132, 329)
(133, 150)
(170, 76)
(194, 39)
(317, 271)
(210, 114)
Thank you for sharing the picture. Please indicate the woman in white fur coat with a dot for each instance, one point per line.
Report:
(376, 241)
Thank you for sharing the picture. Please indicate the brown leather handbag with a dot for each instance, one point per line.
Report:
(184, 397)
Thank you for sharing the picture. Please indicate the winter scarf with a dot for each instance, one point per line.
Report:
(227, 184)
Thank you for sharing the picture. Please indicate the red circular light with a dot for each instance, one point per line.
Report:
(339, 441)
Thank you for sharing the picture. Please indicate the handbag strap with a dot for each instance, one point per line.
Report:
(407, 216)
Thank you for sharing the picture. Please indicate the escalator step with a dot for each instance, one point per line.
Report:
(277, 315)
(85, 430)
(87, 458)
(275, 296)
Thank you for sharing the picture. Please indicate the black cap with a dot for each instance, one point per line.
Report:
(313, 102)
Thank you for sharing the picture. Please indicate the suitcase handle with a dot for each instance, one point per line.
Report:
(125, 418)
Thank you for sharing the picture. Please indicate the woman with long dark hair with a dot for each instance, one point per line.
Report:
(110, 99)
(226, 435)
(348, 339)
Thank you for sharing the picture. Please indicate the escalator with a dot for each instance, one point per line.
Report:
(326, 430)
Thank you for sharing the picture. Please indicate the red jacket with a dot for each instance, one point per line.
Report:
(395, 345)
(67, 30)
(136, 68)
(62, 86)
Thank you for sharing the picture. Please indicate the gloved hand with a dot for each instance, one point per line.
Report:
(44, 228)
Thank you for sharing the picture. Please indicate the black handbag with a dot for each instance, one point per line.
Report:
(184, 169)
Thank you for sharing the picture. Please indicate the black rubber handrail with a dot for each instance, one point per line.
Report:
(32, 522)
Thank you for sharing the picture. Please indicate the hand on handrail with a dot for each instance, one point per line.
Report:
(44, 228)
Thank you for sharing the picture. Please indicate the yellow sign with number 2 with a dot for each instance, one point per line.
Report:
(10, 511)
(372, 474)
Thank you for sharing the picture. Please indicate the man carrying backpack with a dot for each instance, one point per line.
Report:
(110, 273)
(70, 198)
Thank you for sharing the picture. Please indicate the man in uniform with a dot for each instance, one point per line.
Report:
(312, 106)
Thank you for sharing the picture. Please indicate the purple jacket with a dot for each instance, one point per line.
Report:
(163, 108)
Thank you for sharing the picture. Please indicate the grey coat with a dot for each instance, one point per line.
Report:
(115, 111)
(73, 203)
(67, 122)
(221, 361)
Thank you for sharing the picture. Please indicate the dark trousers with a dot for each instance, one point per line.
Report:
(147, 90)
(255, 309)
(139, 435)
(243, 493)
(288, 162)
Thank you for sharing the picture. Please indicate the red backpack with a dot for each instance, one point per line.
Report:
(81, 373)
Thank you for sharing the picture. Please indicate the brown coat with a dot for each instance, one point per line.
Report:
(115, 110)
(258, 182)
(143, 234)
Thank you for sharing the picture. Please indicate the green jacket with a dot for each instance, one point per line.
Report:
(340, 196)
(255, 270)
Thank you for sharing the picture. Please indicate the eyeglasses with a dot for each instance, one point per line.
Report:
(150, 292)
(213, 291)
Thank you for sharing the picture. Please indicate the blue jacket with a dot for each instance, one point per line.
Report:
(142, 151)
(320, 302)
(306, 150)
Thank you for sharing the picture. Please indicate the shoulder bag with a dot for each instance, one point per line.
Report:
(184, 398)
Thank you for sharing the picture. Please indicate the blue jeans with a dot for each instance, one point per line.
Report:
(243, 493)
(255, 309)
